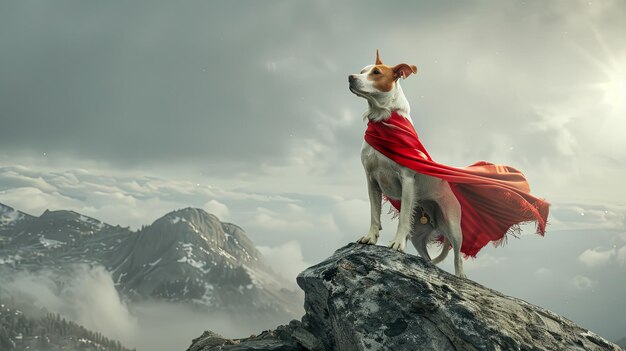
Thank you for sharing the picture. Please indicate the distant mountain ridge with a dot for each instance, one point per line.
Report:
(187, 256)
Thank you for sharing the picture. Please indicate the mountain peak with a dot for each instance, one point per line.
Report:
(190, 224)
(194, 244)
(5, 208)
(191, 214)
(60, 213)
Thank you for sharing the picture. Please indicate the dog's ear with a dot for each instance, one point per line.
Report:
(378, 61)
(403, 70)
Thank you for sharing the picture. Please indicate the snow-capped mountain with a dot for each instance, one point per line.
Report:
(56, 228)
(30, 242)
(187, 256)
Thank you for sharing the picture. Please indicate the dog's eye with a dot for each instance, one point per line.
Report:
(376, 71)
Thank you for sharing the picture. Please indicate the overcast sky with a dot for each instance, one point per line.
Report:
(127, 110)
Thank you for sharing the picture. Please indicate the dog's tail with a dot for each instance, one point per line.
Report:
(445, 247)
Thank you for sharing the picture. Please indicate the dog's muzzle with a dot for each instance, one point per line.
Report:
(354, 84)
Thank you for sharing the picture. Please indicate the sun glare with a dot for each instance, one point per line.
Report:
(612, 67)
(612, 85)
(608, 62)
(615, 92)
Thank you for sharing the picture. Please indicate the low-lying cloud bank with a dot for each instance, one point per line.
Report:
(87, 295)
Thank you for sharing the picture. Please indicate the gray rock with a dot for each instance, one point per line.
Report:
(373, 298)
(209, 339)
(281, 339)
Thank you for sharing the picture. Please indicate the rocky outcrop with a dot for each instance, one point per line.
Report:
(373, 298)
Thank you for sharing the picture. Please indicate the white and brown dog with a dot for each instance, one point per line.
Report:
(379, 85)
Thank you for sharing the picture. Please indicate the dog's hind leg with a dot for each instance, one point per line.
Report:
(456, 239)
(452, 226)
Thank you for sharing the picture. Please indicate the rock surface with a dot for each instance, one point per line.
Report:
(373, 298)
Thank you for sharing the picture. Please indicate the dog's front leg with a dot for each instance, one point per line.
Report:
(405, 222)
(376, 198)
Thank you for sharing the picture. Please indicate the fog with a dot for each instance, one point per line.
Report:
(87, 295)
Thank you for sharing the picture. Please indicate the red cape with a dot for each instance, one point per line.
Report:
(495, 199)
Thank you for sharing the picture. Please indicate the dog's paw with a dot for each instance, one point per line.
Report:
(397, 245)
(368, 239)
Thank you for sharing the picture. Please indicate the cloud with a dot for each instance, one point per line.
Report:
(352, 216)
(296, 93)
(588, 215)
(582, 282)
(621, 255)
(13, 179)
(295, 122)
(115, 197)
(596, 257)
(217, 208)
(285, 259)
(273, 220)
(84, 294)
(35, 201)
(542, 272)
(327, 223)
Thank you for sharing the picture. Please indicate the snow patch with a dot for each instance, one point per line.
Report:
(51, 244)
(177, 219)
(207, 298)
(91, 221)
(193, 227)
(225, 254)
(152, 264)
(190, 258)
(119, 279)
(10, 259)
(10, 217)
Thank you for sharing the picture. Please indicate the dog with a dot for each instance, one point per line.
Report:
(420, 194)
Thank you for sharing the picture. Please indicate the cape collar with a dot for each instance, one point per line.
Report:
(395, 132)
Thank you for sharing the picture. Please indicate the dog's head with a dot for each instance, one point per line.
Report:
(378, 82)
